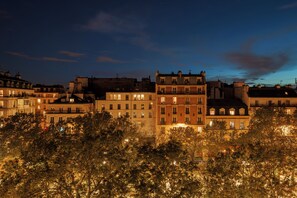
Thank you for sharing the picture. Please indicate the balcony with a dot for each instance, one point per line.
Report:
(181, 92)
(65, 112)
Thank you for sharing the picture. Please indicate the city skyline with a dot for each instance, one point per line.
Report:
(52, 42)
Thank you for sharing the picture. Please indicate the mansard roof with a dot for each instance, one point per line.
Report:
(272, 92)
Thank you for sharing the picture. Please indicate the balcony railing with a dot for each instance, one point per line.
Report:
(65, 112)
(181, 92)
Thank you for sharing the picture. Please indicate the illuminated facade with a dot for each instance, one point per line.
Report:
(69, 106)
(16, 95)
(139, 106)
(46, 94)
(180, 101)
(276, 96)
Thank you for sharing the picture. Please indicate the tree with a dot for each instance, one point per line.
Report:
(190, 139)
(91, 156)
(263, 163)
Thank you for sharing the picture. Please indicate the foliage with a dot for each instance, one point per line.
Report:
(90, 156)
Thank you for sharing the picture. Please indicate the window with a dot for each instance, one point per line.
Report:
(110, 106)
(222, 111)
(211, 123)
(232, 111)
(162, 100)
(119, 106)
(232, 125)
(142, 97)
(127, 97)
(174, 100)
(162, 121)
(134, 115)
(241, 125)
(71, 100)
(162, 110)
(44, 101)
(287, 102)
(199, 129)
(119, 96)
(52, 119)
(174, 120)
(199, 90)
(127, 106)
(187, 90)
(187, 121)
(134, 106)
(187, 110)
(162, 80)
(257, 103)
(174, 110)
(150, 115)
(142, 106)
(1, 93)
(1, 104)
(77, 110)
(199, 110)
(69, 110)
(288, 111)
(199, 120)
(38, 100)
(150, 97)
(60, 119)
(142, 115)
(199, 100)
(187, 100)
(241, 111)
(151, 105)
(279, 102)
(212, 111)
(174, 90)
(174, 81)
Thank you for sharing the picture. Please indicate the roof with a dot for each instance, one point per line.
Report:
(233, 102)
(65, 100)
(272, 92)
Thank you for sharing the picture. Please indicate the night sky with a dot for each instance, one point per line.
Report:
(54, 41)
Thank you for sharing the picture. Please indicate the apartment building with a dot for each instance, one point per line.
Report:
(46, 94)
(276, 96)
(16, 95)
(180, 101)
(139, 106)
(68, 106)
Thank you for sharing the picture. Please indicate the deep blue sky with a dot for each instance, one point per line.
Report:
(53, 41)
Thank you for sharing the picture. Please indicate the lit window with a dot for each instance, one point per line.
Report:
(1, 92)
(38, 107)
(134, 115)
(174, 100)
(119, 114)
(142, 97)
(199, 129)
(142, 115)
(1, 113)
(39, 100)
(1, 104)
(151, 105)
(288, 111)
(210, 123)
(119, 96)
(232, 125)
(212, 111)
(232, 111)
(142, 106)
(71, 99)
(241, 125)
(162, 100)
(241, 111)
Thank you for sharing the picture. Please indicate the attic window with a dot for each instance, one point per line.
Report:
(71, 100)
(286, 93)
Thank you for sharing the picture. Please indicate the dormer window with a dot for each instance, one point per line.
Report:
(232, 111)
(212, 111)
(162, 80)
(222, 111)
(71, 100)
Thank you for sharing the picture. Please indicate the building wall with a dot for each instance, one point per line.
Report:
(180, 101)
(139, 106)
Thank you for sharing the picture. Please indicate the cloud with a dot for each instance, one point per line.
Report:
(255, 65)
(124, 29)
(48, 59)
(288, 6)
(53, 59)
(107, 23)
(21, 55)
(106, 59)
(71, 54)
